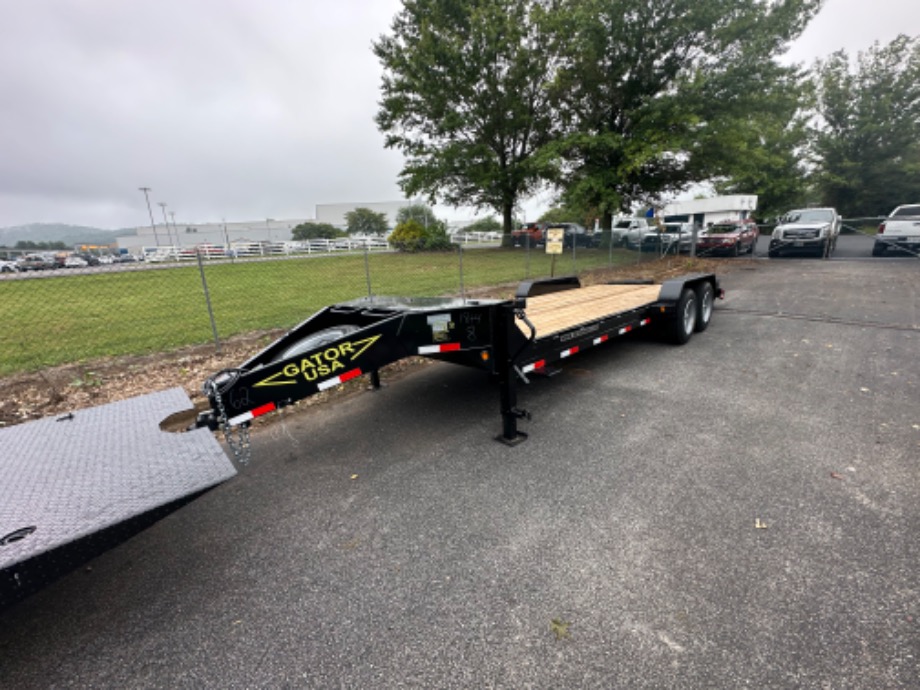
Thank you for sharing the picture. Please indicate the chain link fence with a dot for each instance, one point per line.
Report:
(53, 312)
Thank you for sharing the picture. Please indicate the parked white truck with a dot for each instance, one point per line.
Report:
(808, 229)
(900, 230)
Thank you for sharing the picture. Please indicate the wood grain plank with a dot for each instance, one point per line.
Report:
(559, 311)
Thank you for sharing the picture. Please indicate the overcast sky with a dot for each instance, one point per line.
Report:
(231, 109)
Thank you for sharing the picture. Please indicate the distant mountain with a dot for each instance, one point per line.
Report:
(59, 232)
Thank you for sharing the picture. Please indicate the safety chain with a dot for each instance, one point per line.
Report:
(241, 449)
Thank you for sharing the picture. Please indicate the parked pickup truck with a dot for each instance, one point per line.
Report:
(629, 232)
(901, 230)
(806, 230)
(529, 235)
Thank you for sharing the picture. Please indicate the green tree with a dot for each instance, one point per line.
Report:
(867, 141)
(40, 246)
(316, 231)
(412, 236)
(650, 89)
(769, 149)
(363, 221)
(464, 99)
(420, 212)
(488, 224)
(569, 214)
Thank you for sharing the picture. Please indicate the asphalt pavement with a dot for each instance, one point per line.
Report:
(741, 511)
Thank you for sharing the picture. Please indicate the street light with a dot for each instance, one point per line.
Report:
(172, 214)
(162, 205)
(156, 237)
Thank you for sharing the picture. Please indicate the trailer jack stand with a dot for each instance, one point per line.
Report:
(510, 435)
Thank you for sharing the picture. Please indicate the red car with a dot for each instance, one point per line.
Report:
(732, 237)
(529, 235)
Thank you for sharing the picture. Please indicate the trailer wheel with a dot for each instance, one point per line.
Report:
(685, 316)
(706, 296)
(315, 340)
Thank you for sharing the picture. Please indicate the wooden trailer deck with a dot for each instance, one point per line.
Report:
(559, 311)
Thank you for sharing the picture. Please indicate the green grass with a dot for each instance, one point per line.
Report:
(48, 321)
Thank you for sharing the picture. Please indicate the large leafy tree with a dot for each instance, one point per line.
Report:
(464, 99)
(867, 143)
(421, 213)
(364, 221)
(768, 148)
(657, 93)
(316, 231)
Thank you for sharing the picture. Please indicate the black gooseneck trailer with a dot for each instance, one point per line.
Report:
(547, 321)
(49, 523)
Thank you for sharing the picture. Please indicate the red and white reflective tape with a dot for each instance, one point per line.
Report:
(603, 339)
(627, 329)
(431, 349)
(536, 365)
(570, 351)
(252, 414)
(347, 376)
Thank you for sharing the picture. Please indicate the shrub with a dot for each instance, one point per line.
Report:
(412, 236)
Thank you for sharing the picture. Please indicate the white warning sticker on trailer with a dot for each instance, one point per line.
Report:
(440, 325)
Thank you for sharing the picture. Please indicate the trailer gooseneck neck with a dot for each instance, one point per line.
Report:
(546, 321)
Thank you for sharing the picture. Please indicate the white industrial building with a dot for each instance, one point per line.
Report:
(218, 234)
(704, 212)
(225, 234)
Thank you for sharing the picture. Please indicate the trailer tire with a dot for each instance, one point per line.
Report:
(315, 340)
(685, 317)
(706, 297)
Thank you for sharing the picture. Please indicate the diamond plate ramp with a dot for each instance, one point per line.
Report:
(73, 486)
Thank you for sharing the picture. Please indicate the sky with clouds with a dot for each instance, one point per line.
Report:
(231, 109)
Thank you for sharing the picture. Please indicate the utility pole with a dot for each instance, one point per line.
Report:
(153, 226)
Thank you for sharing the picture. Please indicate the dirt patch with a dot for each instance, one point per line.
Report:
(60, 390)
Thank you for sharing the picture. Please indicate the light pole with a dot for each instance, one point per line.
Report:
(153, 226)
(162, 205)
(172, 214)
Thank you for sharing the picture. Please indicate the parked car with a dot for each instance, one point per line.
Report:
(901, 230)
(809, 229)
(575, 234)
(8, 266)
(629, 231)
(732, 237)
(90, 259)
(672, 237)
(35, 262)
(529, 235)
(75, 261)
